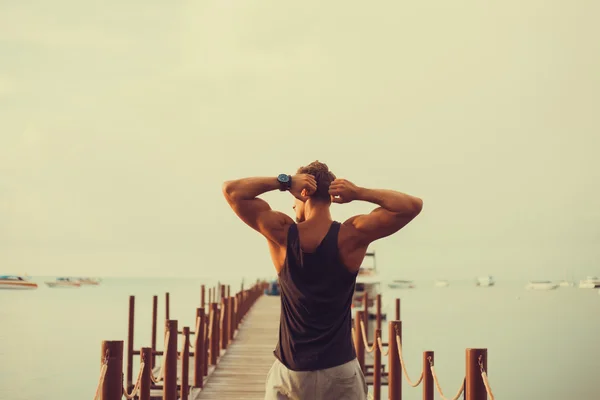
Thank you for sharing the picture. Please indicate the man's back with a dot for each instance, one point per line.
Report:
(317, 261)
(316, 297)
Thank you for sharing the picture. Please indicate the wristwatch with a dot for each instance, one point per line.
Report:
(285, 182)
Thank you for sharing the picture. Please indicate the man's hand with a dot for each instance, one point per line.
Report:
(303, 185)
(343, 191)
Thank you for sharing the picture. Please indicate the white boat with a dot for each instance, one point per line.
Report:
(89, 281)
(541, 285)
(367, 282)
(442, 283)
(401, 284)
(64, 283)
(14, 282)
(485, 281)
(591, 282)
(566, 284)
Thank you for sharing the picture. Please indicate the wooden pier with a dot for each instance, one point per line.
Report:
(229, 352)
(242, 371)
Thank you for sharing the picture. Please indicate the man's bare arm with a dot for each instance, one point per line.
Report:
(395, 209)
(242, 196)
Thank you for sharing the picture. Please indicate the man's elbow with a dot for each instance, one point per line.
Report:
(415, 207)
(418, 206)
(228, 190)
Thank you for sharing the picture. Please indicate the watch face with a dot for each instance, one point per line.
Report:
(283, 178)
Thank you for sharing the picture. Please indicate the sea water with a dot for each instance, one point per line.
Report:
(541, 344)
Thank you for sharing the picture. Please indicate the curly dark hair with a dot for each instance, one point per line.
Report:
(322, 175)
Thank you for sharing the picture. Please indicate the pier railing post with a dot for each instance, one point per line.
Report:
(185, 365)
(230, 317)
(474, 386)
(428, 359)
(358, 341)
(224, 322)
(366, 315)
(202, 296)
(152, 361)
(214, 333)
(378, 315)
(397, 309)
(394, 372)
(199, 350)
(377, 366)
(146, 381)
(170, 373)
(167, 306)
(130, 342)
(112, 354)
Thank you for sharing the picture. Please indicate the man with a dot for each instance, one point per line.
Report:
(317, 260)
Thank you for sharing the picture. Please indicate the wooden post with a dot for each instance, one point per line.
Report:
(185, 365)
(397, 309)
(130, 342)
(167, 306)
(112, 387)
(427, 376)
(366, 315)
(202, 294)
(170, 373)
(199, 350)
(206, 345)
(214, 334)
(224, 327)
(152, 361)
(228, 291)
(222, 292)
(377, 366)
(358, 341)
(146, 382)
(378, 316)
(394, 369)
(474, 387)
(230, 317)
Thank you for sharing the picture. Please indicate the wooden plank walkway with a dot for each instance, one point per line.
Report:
(242, 371)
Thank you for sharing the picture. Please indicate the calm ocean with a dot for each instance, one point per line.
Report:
(541, 344)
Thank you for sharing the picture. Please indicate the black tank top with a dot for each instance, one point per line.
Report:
(315, 327)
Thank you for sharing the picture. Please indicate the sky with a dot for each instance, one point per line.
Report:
(119, 121)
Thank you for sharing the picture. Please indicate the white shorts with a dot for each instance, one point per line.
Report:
(344, 382)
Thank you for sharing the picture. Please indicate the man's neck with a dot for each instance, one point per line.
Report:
(317, 212)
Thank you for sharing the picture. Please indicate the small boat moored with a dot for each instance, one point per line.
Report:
(89, 281)
(441, 283)
(591, 282)
(485, 281)
(64, 283)
(541, 285)
(401, 284)
(14, 282)
(367, 283)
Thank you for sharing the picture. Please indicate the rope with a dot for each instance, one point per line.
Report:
(439, 388)
(488, 389)
(399, 343)
(138, 384)
(103, 370)
(380, 344)
(164, 361)
(364, 338)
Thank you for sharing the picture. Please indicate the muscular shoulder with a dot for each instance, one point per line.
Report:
(279, 227)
